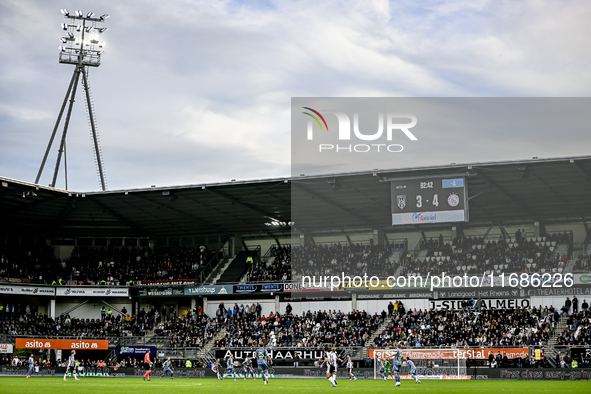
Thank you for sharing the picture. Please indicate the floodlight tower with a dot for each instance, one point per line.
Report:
(81, 47)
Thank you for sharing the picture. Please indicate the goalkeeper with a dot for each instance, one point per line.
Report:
(387, 369)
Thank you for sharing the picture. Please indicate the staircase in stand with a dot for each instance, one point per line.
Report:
(370, 341)
(205, 352)
(549, 350)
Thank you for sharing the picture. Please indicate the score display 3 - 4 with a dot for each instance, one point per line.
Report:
(434, 200)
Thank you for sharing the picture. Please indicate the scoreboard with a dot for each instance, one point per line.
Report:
(428, 200)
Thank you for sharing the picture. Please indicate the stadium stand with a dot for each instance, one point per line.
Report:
(312, 329)
(471, 255)
(578, 330)
(93, 265)
(186, 331)
(276, 269)
(355, 259)
(474, 255)
(492, 328)
(37, 325)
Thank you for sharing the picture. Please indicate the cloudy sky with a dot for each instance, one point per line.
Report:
(196, 91)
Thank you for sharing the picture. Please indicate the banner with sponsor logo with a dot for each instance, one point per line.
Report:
(276, 354)
(530, 374)
(583, 279)
(497, 292)
(209, 290)
(5, 348)
(175, 282)
(487, 304)
(298, 286)
(135, 350)
(82, 344)
(169, 292)
(576, 290)
(405, 294)
(92, 292)
(451, 353)
(268, 288)
(27, 290)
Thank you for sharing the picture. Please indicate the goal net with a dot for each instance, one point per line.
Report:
(430, 363)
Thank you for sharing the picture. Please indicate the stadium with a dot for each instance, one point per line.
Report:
(456, 277)
(207, 276)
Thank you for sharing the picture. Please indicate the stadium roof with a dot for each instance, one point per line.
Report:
(512, 192)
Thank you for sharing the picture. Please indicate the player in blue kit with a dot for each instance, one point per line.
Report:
(397, 364)
(31, 366)
(167, 367)
(381, 368)
(230, 367)
(413, 370)
(247, 368)
(263, 361)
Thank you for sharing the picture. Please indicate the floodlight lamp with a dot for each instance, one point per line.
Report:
(88, 29)
(79, 13)
(63, 49)
(70, 34)
(63, 40)
(103, 29)
(104, 16)
(90, 15)
(65, 12)
(65, 26)
(79, 28)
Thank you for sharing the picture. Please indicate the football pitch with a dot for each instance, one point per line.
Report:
(51, 385)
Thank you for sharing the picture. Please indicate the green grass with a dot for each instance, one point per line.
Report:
(51, 385)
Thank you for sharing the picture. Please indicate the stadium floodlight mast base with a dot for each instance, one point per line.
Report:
(82, 48)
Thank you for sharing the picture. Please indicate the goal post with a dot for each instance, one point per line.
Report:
(431, 363)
